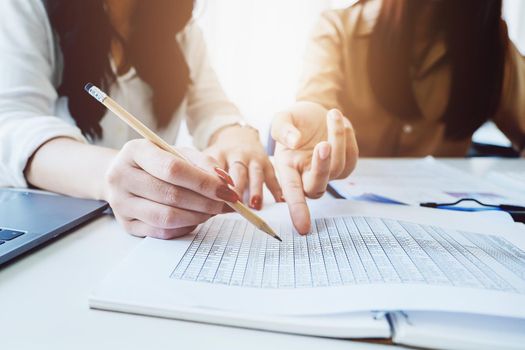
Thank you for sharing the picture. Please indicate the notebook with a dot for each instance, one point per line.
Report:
(365, 271)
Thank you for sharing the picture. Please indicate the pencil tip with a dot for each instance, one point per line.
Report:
(266, 228)
(88, 86)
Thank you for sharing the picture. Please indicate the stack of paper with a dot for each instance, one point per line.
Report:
(347, 278)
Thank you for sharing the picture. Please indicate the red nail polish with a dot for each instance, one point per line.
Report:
(227, 194)
(256, 202)
(224, 176)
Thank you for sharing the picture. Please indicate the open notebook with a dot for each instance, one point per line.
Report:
(457, 277)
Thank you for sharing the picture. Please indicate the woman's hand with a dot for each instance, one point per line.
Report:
(313, 146)
(239, 151)
(153, 193)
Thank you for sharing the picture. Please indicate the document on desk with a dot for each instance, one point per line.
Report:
(415, 181)
(350, 250)
(511, 180)
(358, 259)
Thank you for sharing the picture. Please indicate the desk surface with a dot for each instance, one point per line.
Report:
(43, 298)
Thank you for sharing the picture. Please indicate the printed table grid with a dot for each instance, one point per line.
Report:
(348, 251)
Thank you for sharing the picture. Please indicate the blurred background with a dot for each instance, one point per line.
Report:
(256, 48)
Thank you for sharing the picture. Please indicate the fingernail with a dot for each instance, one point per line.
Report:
(256, 202)
(335, 114)
(282, 199)
(224, 176)
(291, 138)
(324, 151)
(227, 194)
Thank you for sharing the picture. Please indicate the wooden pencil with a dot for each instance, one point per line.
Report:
(148, 134)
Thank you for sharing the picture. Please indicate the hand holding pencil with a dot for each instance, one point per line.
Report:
(199, 189)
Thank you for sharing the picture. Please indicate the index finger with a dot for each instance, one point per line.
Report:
(165, 166)
(292, 187)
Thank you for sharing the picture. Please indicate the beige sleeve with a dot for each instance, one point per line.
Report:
(510, 118)
(322, 73)
(208, 107)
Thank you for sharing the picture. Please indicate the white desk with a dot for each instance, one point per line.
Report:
(43, 298)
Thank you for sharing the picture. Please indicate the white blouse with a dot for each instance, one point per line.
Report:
(31, 112)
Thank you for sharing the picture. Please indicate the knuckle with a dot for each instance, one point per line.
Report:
(172, 195)
(294, 186)
(296, 204)
(173, 168)
(112, 176)
(204, 185)
(164, 218)
(169, 219)
(339, 132)
(255, 167)
(213, 207)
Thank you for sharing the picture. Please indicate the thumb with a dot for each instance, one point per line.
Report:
(284, 130)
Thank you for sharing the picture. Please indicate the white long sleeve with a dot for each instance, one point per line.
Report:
(31, 112)
(27, 94)
(208, 108)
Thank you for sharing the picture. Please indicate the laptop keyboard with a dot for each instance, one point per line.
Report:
(7, 235)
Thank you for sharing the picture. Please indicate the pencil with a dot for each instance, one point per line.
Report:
(148, 134)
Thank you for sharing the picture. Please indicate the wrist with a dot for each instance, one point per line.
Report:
(101, 190)
(233, 130)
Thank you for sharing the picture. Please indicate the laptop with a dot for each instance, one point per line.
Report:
(30, 218)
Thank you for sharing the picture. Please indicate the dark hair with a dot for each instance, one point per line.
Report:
(85, 33)
(476, 41)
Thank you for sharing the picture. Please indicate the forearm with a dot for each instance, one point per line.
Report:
(69, 167)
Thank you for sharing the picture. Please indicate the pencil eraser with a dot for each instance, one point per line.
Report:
(95, 92)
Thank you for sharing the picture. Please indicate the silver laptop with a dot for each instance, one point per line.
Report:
(30, 218)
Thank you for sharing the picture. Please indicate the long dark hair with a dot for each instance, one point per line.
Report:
(85, 33)
(476, 42)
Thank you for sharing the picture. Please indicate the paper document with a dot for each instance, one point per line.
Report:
(457, 331)
(351, 250)
(359, 257)
(511, 180)
(414, 181)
